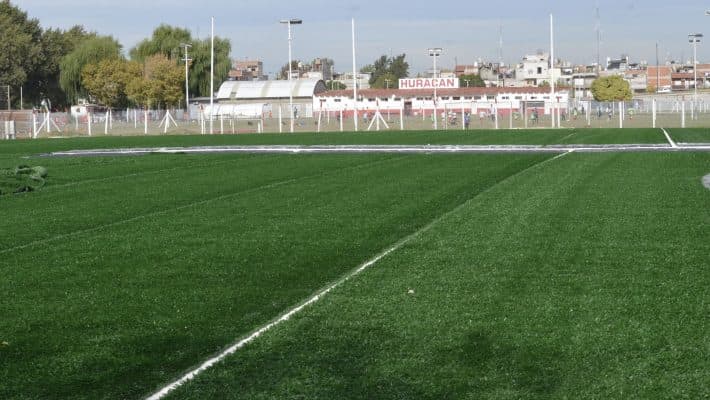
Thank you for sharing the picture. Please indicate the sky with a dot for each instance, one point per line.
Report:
(467, 31)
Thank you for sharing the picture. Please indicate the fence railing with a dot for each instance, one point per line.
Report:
(575, 114)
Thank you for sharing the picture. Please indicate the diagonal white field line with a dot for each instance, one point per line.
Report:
(668, 138)
(161, 393)
(189, 205)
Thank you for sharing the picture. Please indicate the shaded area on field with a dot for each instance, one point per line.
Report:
(585, 277)
(117, 311)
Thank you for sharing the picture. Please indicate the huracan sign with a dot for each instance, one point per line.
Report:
(428, 83)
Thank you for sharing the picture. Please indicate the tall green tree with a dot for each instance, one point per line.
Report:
(107, 80)
(89, 51)
(166, 40)
(200, 67)
(611, 88)
(386, 69)
(44, 81)
(159, 85)
(20, 46)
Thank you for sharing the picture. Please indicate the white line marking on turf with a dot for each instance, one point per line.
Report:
(668, 138)
(290, 313)
(387, 149)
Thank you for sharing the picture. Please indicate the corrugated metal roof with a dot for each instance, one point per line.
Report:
(249, 90)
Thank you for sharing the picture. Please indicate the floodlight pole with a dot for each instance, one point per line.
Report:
(187, 79)
(435, 52)
(288, 23)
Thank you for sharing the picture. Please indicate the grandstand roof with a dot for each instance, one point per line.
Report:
(252, 90)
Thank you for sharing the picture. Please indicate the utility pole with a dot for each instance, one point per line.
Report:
(187, 78)
(658, 71)
(694, 38)
(435, 52)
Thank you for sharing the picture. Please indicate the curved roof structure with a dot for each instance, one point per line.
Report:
(254, 90)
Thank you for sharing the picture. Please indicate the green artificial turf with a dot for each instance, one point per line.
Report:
(614, 136)
(123, 272)
(690, 135)
(585, 277)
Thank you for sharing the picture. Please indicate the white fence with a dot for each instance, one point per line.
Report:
(639, 113)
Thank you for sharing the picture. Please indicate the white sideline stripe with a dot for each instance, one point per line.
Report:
(286, 316)
(668, 138)
(388, 149)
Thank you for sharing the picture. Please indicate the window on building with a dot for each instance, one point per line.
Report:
(518, 97)
(477, 97)
(539, 70)
(456, 98)
(467, 98)
(371, 99)
(337, 100)
(384, 99)
(504, 97)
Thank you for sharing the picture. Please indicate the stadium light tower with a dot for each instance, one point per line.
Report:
(433, 53)
(694, 38)
(187, 79)
(288, 23)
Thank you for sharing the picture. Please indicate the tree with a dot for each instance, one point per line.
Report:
(471, 80)
(107, 80)
(166, 40)
(20, 47)
(160, 84)
(387, 81)
(89, 51)
(611, 88)
(43, 82)
(386, 69)
(200, 67)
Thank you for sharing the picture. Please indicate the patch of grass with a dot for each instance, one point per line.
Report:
(583, 278)
(614, 136)
(178, 263)
(690, 135)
